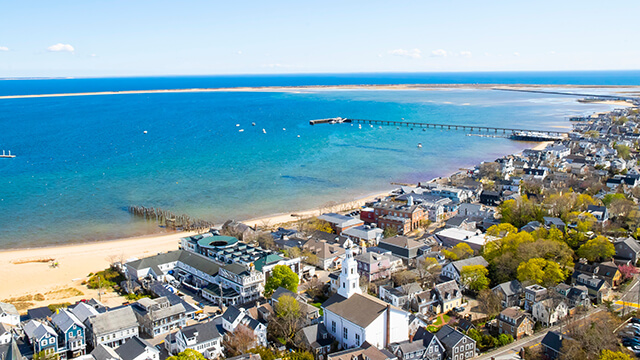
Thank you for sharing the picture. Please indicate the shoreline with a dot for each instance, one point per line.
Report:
(324, 87)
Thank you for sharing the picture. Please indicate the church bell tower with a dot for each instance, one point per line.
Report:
(349, 277)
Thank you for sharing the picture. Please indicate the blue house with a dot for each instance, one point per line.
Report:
(42, 337)
(71, 333)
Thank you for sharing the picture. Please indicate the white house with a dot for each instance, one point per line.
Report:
(353, 318)
(549, 311)
(453, 269)
(5, 334)
(203, 338)
(9, 314)
(233, 317)
(112, 328)
(137, 349)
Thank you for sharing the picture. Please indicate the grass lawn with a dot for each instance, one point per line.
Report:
(319, 306)
(440, 321)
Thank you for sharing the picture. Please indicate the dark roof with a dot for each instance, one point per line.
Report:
(465, 325)
(133, 348)
(206, 331)
(631, 243)
(313, 335)
(10, 351)
(39, 313)
(510, 288)
(553, 340)
(449, 336)
(352, 308)
(231, 314)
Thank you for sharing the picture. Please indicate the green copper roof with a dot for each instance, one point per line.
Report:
(266, 260)
(217, 241)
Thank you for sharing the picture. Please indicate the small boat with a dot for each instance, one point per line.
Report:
(284, 129)
(298, 135)
(360, 126)
(241, 130)
(253, 124)
(144, 132)
(379, 127)
(7, 156)
(371, 125)
(237, 124)
(264, 131)
(419, 145)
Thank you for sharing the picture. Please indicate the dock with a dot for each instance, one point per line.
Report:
(7, 156)
(410, 124)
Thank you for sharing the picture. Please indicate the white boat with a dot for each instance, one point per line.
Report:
(284, 129)
(264, 131)
(253, 124)
(360, 126)
(237, 124)
(241, 130)
(419, 145)
(144, 132)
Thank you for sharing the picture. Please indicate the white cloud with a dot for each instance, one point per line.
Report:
(439, 53)
(414, 53)
(239, 52)
(465, 53)
(552, 52)
(274, 66)
(516, 54)
(4, 48)
(93, 55)
(61, 47)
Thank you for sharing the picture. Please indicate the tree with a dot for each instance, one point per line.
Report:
(596, 249)
(462, 251)
(505, 339)
(403, 277)
(265, 241)
(389, 231)
(427, 269)
(489, 302)
(592, 335)
(298, 355)
(294, 252)
(288, 318)
(474, 277)
(613, 355)
(609, 198)
(45, 355)
(239, 341)
(310, 258)
(188, 354)
(265, 353)
(540, 271)
(281, 276)
(314, 287)
(623, 151)
(627, 271)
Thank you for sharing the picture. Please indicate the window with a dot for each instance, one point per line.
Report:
(333, 327)
(343, 285)
(345, 333)
(357, 339)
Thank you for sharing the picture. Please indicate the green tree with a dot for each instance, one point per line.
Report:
(540, 271)
(188, 354)
(504, 339)
(288, 318)
(597, 249)
(462, 251)
(623, 151)
(283, 276)
(310, 258)
(609, 198)
(265, 353)
(298, 355)
(474, 277)
(389, 231)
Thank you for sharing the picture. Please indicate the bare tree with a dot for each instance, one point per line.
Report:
(239, 341)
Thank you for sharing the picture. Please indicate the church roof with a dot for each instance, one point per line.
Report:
(351, 309)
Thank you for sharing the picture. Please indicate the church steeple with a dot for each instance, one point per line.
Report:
(349, 278)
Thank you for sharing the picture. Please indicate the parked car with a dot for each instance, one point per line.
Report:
(458, 309)
(635, 320)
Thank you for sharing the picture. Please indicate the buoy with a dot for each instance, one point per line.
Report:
(144, 132)
(298, 135)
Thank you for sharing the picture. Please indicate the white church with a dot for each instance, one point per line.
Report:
(353, 318)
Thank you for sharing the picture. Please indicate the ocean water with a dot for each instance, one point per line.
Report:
(82, 160)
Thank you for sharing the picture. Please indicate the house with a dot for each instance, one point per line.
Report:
(461, 222)
(552, 344)
(376, 266)
(11, 351)
(458, 346)
(400, 295)
(401, 246)
(454, 236)
(599, 289)
(9, 314)
(112, 328)
(340, 223)
(415, 323)
(444, 297)
(533, 294)
(515, 322)
(158, 316)
(599, 212)
(234, 317)
(364, 235)
(490, 198)
(71, 333)
(42, 337)
(102, 352)
(41, 313)
(203, 338)
(364, 352)
(5, 334)
(509, 292)
(310, 312)
(607, 271)
(578, 296)
(425, 346)
(531, 226)
(550, 311)
(315, 339)
(344, 318)
(137, 349)
(453, 269)
(554, 221)
(329, 256)
(627, 249)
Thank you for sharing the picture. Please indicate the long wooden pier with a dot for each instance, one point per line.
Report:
(423, 125)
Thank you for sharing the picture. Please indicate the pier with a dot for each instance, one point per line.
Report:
(422, 125)
(9, 156)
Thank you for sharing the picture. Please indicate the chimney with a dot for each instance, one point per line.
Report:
(388, 326)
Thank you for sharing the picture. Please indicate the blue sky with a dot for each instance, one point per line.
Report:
(110, 38)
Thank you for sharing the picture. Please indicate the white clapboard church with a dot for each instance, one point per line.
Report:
(353, 318)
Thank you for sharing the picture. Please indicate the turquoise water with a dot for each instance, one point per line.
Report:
(82, 160)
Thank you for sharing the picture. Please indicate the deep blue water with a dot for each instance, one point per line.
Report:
(82, 160)
(23, 87)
